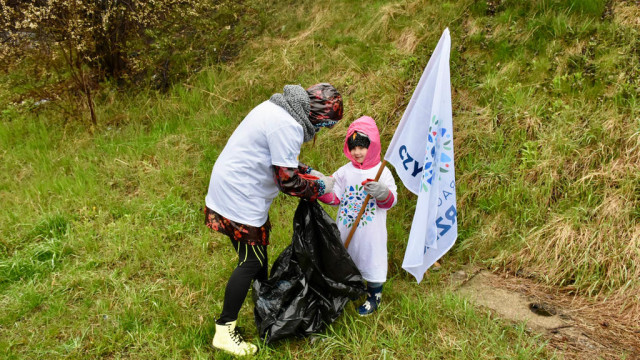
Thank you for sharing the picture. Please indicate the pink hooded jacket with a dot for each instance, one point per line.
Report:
(367, 126)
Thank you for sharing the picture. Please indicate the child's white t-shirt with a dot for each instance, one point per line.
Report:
(368, 247)
(242, 185)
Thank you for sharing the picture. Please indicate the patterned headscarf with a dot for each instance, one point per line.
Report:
(325, 105)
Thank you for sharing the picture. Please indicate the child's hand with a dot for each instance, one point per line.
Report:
(378, 190)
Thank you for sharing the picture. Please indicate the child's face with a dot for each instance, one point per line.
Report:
(359, 153)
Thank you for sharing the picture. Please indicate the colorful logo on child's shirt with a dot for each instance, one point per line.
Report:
(444, 163)
(350, 205)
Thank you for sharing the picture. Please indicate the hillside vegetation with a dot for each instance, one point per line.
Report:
(103, 249)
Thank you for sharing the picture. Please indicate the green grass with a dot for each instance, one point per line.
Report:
(103, 251)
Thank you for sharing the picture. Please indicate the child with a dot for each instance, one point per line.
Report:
(368, 247)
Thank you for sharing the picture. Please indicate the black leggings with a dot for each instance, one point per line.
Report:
(252, 264)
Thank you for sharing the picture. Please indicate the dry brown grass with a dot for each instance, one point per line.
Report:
(605, 328)
(597, 247)
(407, 42)
(627, 13)
(597, 258)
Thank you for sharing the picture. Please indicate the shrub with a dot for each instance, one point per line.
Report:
(88, 41)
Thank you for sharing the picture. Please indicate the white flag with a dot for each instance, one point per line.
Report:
(421, 151)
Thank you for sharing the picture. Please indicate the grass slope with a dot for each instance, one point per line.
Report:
(103, 252)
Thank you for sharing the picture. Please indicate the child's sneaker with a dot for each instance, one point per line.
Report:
(374, 296)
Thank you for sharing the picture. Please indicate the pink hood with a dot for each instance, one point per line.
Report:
(367, 126)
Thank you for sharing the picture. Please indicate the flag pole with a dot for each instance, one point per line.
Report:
(363, 207)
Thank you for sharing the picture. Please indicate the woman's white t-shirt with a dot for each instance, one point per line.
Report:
(242, 186)
(368, 247)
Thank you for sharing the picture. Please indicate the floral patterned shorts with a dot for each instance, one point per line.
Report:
(242, 233)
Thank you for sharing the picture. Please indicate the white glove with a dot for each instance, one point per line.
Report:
(377, 190)
(316, 173)
(328, 184)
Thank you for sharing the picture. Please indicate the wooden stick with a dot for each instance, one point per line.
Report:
(363, 207)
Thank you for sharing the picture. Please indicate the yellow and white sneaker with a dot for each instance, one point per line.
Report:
(228, 338)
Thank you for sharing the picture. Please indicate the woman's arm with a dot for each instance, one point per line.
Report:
(291, 181)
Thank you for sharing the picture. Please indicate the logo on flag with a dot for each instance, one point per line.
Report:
(421, 151)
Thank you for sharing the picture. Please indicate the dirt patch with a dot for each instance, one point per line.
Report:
(577, 328)
(511, 305)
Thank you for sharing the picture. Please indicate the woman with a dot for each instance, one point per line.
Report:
(259, 160)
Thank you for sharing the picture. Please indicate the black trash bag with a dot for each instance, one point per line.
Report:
(311, 281)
